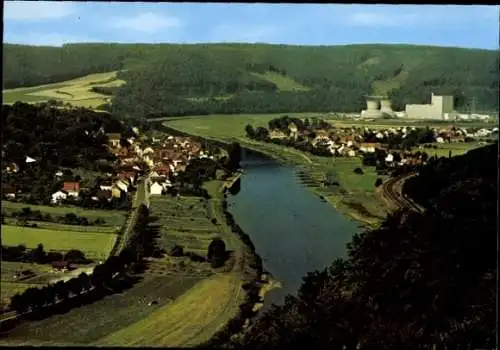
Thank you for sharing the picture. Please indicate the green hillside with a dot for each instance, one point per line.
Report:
(260, 78)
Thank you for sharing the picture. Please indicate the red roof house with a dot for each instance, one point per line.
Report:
(71, 187)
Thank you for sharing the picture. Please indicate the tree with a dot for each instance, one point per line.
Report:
(216, 253)
(358, 171)
(75, 256)
(61, 290)
(84, 281)
(177, 251)
(234, 156)
(378, 182)
(39, 254)
(19, 303)
(250, 132)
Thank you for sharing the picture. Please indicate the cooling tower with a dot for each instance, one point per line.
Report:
(371, 105)
(385, 106)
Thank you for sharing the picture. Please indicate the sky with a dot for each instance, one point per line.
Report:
(57, 23)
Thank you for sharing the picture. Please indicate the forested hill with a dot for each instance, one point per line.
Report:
(410, 284)
(235, 78)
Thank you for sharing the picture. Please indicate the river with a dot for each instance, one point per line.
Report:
(292, 229)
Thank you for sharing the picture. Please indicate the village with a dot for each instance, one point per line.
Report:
(398, 145)
(160, 158)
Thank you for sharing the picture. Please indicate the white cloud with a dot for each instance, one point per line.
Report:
(243, 33)
(37, 10)
(145, 22)
(46, 39)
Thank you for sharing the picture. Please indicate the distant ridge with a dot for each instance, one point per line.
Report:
(182, 79)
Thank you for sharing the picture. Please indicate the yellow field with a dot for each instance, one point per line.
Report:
(95, 245)
(76, 91)
(190, 320)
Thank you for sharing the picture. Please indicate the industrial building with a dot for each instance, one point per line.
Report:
(376, 107)
(440, 108)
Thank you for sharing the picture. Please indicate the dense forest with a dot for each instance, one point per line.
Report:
(172, 79)
(418, 280)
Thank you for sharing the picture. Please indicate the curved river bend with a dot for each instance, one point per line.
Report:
(292, 229)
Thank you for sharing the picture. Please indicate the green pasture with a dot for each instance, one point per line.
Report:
(112, 217)
(93, 244)
(76, 91)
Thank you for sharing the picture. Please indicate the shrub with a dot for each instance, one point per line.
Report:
(378, 182)
(358, 171)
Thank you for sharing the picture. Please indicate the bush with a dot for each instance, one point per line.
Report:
(378, 182)
(358, 171)
(177, 251)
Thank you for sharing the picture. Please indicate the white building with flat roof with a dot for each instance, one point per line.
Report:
(439, 107)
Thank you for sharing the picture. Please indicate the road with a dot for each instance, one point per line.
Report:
(392, 191)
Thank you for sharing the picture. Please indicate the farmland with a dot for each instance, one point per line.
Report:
(184, 221)
(192, 304)
(77, 92)
(112, 217)
(101, 318)
(42, 274)
(94, 245)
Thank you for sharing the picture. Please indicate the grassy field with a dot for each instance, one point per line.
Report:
(225, 126)
(94, 245)
(76, 91)
(111, 217)
(75, 228)
(189, 321)
(102, 318)
(282, 82)
(10, 285)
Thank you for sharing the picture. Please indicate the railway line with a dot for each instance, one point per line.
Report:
(392, 191)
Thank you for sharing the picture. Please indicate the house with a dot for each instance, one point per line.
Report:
(114, 139)
(106, 185)
(277, 134)
(58, 197)
(116, 192)
(30, 160)
(389, 158)
(122, 185)
(59, 173)
(11, 168)
(156, 188)
(104, 194)
(368, 147)
(351, 153)
(9, 192)
(72, 188)
(60, 265)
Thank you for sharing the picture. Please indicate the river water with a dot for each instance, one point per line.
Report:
(292, 229)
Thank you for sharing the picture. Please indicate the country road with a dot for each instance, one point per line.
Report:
(392, 191)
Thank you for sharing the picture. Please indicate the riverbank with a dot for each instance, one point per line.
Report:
(247, 263)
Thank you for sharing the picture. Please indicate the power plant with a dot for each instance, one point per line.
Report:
(440, 107)
(376, 107)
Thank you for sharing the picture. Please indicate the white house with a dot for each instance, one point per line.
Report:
(106, 186)
(439, 139)
(30, 160)
(379, 135)
(351, 153)
(389, 158)
(58, 196)
(122, 185)
(156, 188)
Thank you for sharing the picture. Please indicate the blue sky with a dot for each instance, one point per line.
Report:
(56, 23)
